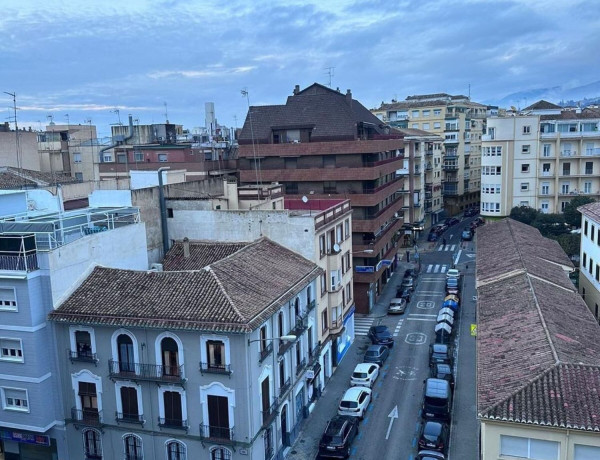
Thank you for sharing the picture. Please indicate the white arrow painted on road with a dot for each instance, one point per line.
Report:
(392, 416)
(471, 255)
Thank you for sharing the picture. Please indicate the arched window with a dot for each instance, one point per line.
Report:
(133, 447)
(126, 356)
(308, 296)
(220, 453)
(170, 356)
(92, 444)
(176, 451)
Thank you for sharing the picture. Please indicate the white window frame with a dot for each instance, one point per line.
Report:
(14, 407)
(161, 401)
(579, 452)
(524, 186)
(526, 129)
(8, 302)
(73, 341)
(138, 390)
(414, 113)
(163, 158)
(218, 389)
(115, 348)
(18, 358)
(437, 125)
(507, 452)
(107, 157)
(525, 168)
(222, 338)
(525, 149)
(87, 377)
(77, 158)
(158, 350)
(178, 441)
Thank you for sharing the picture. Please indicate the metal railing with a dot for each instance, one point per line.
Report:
(300, 367)
(270, 413)
(266, 351)
(219, 433)
(89, 417)
(212, 368)
(24, 263)
(311, 305)
(285, 387)
(82, 356)
(122, 417)
(175, 423)
(142, 371)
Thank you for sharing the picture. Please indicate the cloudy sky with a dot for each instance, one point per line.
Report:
(86, 58)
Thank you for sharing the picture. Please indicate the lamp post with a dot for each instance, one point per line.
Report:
(283, 338)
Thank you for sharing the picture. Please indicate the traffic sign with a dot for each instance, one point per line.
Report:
(473, 330)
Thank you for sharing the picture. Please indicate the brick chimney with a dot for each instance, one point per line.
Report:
(349, 97)
(296, 89)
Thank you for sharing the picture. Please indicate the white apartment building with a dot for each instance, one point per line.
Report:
(589, 270)
(541, 161)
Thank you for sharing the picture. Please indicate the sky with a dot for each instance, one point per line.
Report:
(72, 61)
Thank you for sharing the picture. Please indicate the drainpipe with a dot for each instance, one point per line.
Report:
(163, 211)
(117, 143)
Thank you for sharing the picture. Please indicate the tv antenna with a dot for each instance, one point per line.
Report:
(18, 152)
(166, 113)
(118, 116)
(330, 74)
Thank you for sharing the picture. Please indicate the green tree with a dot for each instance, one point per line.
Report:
(570, 243)
(550, 225)
(572, 215)
(524, 214)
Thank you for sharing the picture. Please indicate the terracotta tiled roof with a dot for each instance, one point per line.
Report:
(543, 105)
(202, 253)
(235, 294)
(587, 113)
(536, 338)
(591, 210)
(14, 178)
(416, 133)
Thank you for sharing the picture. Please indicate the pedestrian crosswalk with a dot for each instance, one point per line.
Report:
(447, 247)
(362, 325)
(436, 268)
(398, 326)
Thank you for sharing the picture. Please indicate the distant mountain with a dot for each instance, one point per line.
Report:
(589, 93)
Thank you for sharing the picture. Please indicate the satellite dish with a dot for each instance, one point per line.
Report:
(336, 247)
(304, 199)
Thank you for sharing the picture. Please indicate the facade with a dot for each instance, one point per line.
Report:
(537, 338)
(540, 160)
(43, 251)
(460, 122)
(186, 363)
(27, 158)
(589, 270)
(323, 144)
(319, 230)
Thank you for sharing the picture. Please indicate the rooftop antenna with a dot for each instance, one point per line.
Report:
(67, 117)
(256, 167)
(166, 112)
(469, 91)
(118, 116)
(330, 73)
(18, 152)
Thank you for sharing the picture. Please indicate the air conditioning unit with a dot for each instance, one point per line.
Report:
(156, 267)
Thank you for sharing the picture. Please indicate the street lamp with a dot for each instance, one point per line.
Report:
(283, 338)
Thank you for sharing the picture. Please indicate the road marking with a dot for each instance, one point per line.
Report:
(422, 314)
(425, 305)
(398, 326)
(392, 416)
(444, 267)
(421, 319)
(441, 248)
(457, 257)
(452, 248)
(429, 268)
(416, 338)
(437, 267)
(362, 325)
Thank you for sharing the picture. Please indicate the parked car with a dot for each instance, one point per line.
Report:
(446, 318)
(440, 354)
(446, 311)
(430, 455)
(452, 286)
(433, 236)
(469, 212)
(404, 294)
(338, 436)
(437, 400)
(442, 371)
(434, 435)
(364, 375)
(397, 306)
(381, 335)
(355, 401)
(409, 283)
(451, 221)
(376, 354)
(466, 235)
(478, 221)
(412, 272)
(453, 273)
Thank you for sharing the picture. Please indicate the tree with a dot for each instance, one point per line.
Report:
(570, 243)
(550, 225)
(572, 215)
(524, 214)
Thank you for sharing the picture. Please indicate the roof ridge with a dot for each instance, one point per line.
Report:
(224, 292)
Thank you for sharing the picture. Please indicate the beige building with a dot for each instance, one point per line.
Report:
(28, 156)
(538, 369)
(460, 123)
(540, 159)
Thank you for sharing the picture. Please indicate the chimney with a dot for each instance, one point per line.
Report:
(349, 97)
(296, 89)
(186, 248)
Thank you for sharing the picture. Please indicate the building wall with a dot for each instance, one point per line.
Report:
(589, 257)
(567, 439)
(27, 145)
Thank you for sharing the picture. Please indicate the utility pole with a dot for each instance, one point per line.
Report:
(14, 96)
(330, 73)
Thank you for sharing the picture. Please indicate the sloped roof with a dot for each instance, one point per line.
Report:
(234, 294)
(15, 178)
(536, 338)
(585, 114)
(591, 210)
(326, 111)
(543, 105)
(202, 253)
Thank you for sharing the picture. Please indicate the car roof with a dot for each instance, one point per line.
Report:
(436, 386)
(440, 347)
(397, 300)
(379, 327)
(337, 423)
(375, 347)
(353, 392)
(443, 368)
(363, 367)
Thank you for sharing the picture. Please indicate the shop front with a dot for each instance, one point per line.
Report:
(24, 445)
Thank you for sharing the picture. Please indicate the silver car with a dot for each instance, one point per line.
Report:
(397, 306)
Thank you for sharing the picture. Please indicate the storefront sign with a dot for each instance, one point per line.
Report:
(364, 269)
(25, 438)
(386, 263)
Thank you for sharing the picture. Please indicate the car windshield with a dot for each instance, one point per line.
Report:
(349, 404)
(359, 375)
(436, 402)
(452, 282)
(443, 369)
(440, 348)
(432, 431)
(372, 353)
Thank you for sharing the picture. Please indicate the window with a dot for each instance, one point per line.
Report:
(170, 357)
(585, 227)
(526, 149)
(437, 111)
(587, 187)
(133, 447)
(329, 187)
(339, 233)
(138, 156)
(564, 188)
(584, 259)
(415, 114)
(220, 453)
(545, 188)
(218, 416)
(349, 292)
(8, 299)
(77, 157)
(597, 272)
(527, 129)
(15, 399)
(92, 444)
(129, 404)
(525, 168)
(591, 265)
(162, 157)
(592, 232)
(292, 163)
(81, 345)
(586, 452)
(535, 449)
(79, 176)
(215, 353)
(323, 282)
(347, 228)
(122, 158)
(426, 113)
(172, 411)
(589, 167)
(107, 157)
(524, 186)
(89, 402)
(547, 150)
(415, 126)
(566, 169)
(437, 125)
(425, 125)
(11, 350)
(545, 207)
(176, 451)
(324, 320)
(322, 248)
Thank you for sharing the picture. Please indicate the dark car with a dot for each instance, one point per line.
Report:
(411, 272)
(430, 455)
(403, 294)
(443, 372)
(440, 353)
(451, 221)
(471, 212)
(376, 354)
(433, 236)
(409, 283)
(478, 222)
(434, 435)
(381, 335)
(466, 235)
(338, 436)
(437, 400)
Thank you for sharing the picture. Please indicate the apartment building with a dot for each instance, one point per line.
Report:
(318, 230)
(43, 251)
(460, 122)
(18, 149)
(211, 358)
(324, 144)
(538, 369)
(540, 160)
(589, 270)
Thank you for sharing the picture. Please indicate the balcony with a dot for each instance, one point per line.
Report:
(488, 137)
(429, 152)
(428, 167)
(216, 433)
(450, 166)
(265, 351)
(450, 191)
(300, 367)
(285, 387)
(213, 368)
(145, 372)
(87, 417)
(451, 178)
(82, 356)
(269, 414)
(335, 325)
(314, 353)
(311, 305)
(129, 418)
(173, 423)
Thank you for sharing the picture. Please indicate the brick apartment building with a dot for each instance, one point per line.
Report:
(323, 144)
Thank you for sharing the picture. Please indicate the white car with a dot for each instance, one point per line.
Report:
(452, 273)
(397, 305)
(355, 401)
(365, 375)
